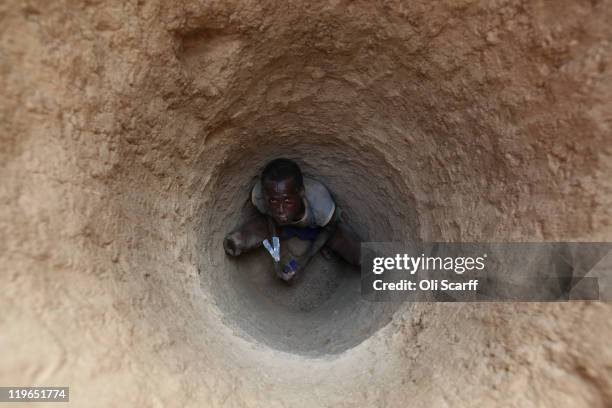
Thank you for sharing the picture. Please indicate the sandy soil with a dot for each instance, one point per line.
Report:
(131, 133)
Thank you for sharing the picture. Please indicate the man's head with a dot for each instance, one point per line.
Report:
(283, 188)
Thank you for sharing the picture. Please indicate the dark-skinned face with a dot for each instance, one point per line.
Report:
(284, 201)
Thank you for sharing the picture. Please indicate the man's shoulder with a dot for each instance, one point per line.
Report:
(316, 188)
(320, 200)
(257, 197)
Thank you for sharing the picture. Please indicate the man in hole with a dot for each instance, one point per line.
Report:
(291, 205)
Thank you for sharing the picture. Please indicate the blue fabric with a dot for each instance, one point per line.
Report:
(305, 234)
(290, 267)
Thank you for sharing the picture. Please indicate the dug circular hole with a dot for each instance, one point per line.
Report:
(324, 312)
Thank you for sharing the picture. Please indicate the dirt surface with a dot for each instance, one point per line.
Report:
(131, 133)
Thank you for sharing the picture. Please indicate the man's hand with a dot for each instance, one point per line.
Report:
(232, 244)
(290, 271)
